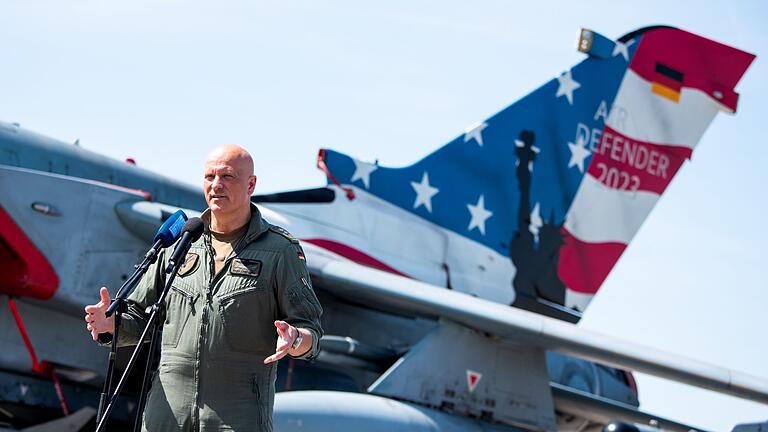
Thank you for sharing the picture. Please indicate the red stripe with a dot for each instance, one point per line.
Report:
(353, 254)
(584, 266)
(706, 65)
(321, 165)
(142, 193)
(624, 163)
(631, 382)
(24, 270)
(59, 392)
(41, 367)
(36, 365)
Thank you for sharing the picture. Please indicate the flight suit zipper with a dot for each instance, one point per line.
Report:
(214, 278)
(203, 330)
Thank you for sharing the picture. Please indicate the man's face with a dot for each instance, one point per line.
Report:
(228, 184)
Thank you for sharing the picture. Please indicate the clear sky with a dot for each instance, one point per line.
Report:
(163, 81)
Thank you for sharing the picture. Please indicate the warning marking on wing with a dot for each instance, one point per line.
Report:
(473, 378)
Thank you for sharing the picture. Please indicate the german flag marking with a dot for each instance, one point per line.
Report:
(667, 82)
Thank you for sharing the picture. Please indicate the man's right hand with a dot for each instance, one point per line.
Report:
(95, 316)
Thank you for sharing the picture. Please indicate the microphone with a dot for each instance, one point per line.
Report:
(170, 231)
(165, 236)
(192, 231)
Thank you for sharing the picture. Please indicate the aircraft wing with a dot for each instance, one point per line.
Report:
(405, 296)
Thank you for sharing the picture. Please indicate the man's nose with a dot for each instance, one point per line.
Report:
(217, 184)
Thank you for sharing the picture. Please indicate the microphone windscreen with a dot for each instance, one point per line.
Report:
(171, 229)
(195, 228)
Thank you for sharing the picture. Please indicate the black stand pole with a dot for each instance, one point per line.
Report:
(118, 308)
(157, 310)
(156, 331)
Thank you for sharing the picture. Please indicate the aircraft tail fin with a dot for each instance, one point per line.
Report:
(560, 181)
(674, 86)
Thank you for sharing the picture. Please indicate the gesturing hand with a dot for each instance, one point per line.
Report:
(286, 335)
(97, 319)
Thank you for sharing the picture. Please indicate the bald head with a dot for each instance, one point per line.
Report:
(234, 154)
(229, 182)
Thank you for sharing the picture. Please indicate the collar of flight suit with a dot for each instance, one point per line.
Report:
(256, 227)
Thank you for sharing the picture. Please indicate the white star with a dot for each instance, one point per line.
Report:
(567, 86)
(621, 48)
(479, 215)
(475, 131)
(363, 172)
(578, 153)
(536, 221)
(424, 193)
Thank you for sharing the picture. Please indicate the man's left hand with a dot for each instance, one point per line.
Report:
(286, 335)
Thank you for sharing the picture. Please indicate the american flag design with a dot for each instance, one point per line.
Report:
(560, 181)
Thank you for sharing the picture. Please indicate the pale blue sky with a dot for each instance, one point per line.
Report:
(164, 81)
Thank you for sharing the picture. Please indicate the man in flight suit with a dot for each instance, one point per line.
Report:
(242, 300)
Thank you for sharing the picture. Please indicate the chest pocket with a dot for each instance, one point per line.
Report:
(244, 276)
(246, 307)
(180, 307)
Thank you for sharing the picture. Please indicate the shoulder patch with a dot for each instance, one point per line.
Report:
(284, 232)
(190, 264)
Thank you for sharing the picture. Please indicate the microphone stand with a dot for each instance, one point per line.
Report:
(155, 326)
(118, 308)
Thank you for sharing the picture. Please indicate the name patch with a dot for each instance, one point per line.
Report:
(245, 267)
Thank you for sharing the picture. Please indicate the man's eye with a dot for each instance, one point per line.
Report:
(228, 176)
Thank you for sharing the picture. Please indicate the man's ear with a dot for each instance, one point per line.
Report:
(251, 184)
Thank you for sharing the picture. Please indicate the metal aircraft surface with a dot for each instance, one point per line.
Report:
(451, 287)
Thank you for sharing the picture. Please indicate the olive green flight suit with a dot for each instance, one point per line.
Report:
(219, 329)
